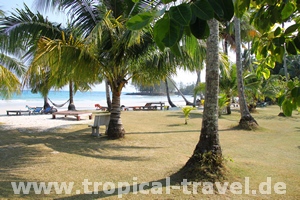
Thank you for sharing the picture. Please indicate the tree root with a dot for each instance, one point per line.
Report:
(248, 123)
(205, 167)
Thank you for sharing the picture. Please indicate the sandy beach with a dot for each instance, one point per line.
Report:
(86, 102)
(39, 122)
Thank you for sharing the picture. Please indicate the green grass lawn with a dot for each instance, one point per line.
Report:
(156, 146)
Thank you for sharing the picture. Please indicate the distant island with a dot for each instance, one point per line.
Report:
(147, 93)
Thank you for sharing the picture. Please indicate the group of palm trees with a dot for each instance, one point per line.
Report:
(94, 46)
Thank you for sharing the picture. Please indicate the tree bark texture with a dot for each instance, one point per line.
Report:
(115, 127)
(207, 157)
(71, 104)
(246, 121)
(108, 101)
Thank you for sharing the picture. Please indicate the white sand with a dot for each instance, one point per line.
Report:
(41, 122)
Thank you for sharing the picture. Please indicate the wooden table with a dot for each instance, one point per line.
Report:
(72, 113)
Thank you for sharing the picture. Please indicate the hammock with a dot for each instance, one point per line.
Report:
(58, 105)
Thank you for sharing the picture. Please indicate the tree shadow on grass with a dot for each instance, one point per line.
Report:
(181, 115)
(163, 132)
(22, 149)
(164, 186)
(18, 147)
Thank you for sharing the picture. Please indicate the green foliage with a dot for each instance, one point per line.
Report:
(181, 14)
(140, 20)
(223, 101)
(202, 10)
(269, 47)
(289, 98)
(188, 18)
(186, 111)
(200, 29)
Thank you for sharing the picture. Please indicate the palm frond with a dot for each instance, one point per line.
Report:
(9, 83)
(12, 64)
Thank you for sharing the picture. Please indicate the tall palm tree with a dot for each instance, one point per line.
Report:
(228, 84)
(117, 50)
(37, 34)
(246, 121)
(208, 148)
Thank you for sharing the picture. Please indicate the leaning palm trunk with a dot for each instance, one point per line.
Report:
(168, 95)
(108, 101)
(206, 160)
(115, 127)
(186, 101)
(246, 121)
(71, 104)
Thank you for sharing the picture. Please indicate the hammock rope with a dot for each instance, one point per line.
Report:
(58, 105)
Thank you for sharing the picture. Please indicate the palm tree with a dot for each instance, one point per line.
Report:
(208, 148)
(118, 51)
(168, 94)
(228, 84)
(246, 121)
(11, 67)
(41, 34)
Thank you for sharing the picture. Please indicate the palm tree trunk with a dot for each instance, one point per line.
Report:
(186, 101)
(228, 108)
(115, 127)
(71, 104)
(168, 95)
(46, 103)
(197, 82)
(246, 121)
(207, 156)
(108, 101)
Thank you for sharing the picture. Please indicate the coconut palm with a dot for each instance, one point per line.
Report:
(11, 67)
(41, 34)
(246, 121)
(228, 84)
(120, 54)
(208, 148)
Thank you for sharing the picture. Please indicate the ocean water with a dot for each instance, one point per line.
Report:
(83, 100)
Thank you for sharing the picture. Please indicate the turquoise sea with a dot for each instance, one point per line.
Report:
(84, 100)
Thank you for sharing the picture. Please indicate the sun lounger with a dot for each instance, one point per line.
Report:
(50, 110)
(148, 106)
(98, 107)
(100, 120)
(18, 112)
(37, 110)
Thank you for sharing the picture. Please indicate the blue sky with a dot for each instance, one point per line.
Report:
(9, 5)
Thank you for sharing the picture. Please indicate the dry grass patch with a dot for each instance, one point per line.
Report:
(156, 146)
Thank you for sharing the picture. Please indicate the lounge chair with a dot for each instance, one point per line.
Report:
(37, 110)
(49, 110)
(98, 107)
(30, 108)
